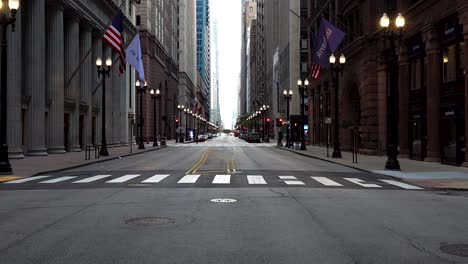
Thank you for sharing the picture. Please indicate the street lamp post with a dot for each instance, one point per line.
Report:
(5, 20)
(181, 108)
(334, 72)
(267, 124)
(186, 123)
(392, 35)
(302, 88)
(287, 96)
(105, 72)
(141, 91)
(155, 95)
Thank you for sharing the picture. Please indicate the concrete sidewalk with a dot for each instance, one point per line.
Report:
(427, 174)
(39, 165)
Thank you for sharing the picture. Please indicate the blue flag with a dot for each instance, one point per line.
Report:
(135, 58)
(334, 35)
(328, 39)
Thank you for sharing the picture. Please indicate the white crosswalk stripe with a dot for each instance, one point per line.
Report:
(27, 179)
(291, 180)
(189, 179)
(156, 178)
(92, 179)
(361, 183)
(401, 185)
(256, 179)
(61, 179)
(124, 178)
(222, 179)
(327, 182)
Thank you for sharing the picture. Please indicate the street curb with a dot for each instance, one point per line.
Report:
(98, 161)
(318, 158)
(368, 171)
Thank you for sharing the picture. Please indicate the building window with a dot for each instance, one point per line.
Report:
(415, 74)
(251, 9)
(449, 61)
(462, 60)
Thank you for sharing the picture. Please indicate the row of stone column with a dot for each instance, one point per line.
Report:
(54, 48)
(433, 53)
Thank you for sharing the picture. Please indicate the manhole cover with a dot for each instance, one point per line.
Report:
(456, 249)
(150, 221)
(223, 200)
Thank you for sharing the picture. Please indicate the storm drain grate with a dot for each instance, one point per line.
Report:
(150, 221)
(456, 249)
(223, 200)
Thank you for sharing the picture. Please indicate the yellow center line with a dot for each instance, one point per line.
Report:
(8, 178)
(196, 164)
(233, 167)
(202, 163)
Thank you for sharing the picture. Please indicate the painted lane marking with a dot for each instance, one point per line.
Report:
(91, 179)
(27, 179)
(287, 177)
(189, 178)
(222, 179)
(256, 179)
(326, 181)
(156, 178)
(8, 178)
(294, 183)
(360, 183)
(402, 185)
(61, 179)
(124, 178)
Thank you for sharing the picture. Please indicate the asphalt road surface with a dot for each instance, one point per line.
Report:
(157, 208)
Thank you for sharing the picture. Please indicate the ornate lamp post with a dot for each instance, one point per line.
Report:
(155, 95)
(105, 72)
(392, 35)
(5, 20)
(335, 70)
(186, 123)
(302, 88)
(181, 108)
(141, 91)
(287, 96)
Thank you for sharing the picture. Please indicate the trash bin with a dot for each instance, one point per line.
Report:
(163, 141)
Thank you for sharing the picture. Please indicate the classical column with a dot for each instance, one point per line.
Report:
(115, 106)
(95, 86)
(14, 74)
(107, 53)
(34, 56)
(55, 78)
(86, 80)
(124, 97)
(464, 22)
(403, 91)
(72, 91)
(433, 94)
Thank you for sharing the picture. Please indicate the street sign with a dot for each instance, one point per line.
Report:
(327, 120)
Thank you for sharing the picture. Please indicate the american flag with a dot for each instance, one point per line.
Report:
(315, 71)
(114, 37)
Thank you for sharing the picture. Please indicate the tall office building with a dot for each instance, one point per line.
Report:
(215, 117)
(204, 51)
(249, 14)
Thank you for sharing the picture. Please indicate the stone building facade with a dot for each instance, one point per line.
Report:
(432, 83)
(158, 24)
(54, 95)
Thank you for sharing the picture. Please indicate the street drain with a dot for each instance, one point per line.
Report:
(456, 249)
(150, 221)
(223, 200)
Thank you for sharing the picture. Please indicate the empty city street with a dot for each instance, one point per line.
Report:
(156, 208)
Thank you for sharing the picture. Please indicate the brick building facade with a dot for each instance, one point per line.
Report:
(432, 80)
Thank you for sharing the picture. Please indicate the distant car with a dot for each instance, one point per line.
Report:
(253, 137)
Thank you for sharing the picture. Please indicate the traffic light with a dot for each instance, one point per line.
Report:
(177, 120)
(279, 122)
(268, 120)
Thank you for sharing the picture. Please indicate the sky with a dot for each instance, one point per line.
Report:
(228, 15)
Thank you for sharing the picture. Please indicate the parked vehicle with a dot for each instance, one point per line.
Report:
(254, 137)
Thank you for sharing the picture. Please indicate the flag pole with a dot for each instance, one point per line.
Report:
(67, 83)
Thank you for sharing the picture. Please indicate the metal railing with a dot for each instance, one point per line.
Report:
(89, 149)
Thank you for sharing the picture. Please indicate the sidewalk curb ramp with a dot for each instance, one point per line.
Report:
(100, 161)
(368, 171)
